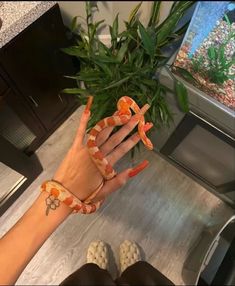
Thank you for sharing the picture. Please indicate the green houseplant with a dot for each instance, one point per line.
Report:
(129, 65)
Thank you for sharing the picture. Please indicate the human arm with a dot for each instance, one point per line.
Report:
(20, 244)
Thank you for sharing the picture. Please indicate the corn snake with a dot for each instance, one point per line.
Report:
(121, 116)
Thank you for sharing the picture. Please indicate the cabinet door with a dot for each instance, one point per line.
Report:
(36, 66)
(18, 124)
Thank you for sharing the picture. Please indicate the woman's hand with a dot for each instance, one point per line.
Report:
(80, 175)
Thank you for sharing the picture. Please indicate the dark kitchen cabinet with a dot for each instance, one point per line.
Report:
(34, 67)
(32, 70)
(16, 121)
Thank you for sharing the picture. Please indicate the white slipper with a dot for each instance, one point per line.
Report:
(129, 254)
(97, 253)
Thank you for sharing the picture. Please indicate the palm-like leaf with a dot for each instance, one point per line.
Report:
(155, 13)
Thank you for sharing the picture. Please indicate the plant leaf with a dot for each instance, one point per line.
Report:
(101, 49)
(114, 29)
(212, 54)
(71, 76)
(181, 6)
(117, 83)
(134, 12)
(122, 51)
(155, 13)
(165, 30)
(221, 56)
(97, 24)
(232, 62)
(185, 74)
(89, 75)
(105, 59)
(75, 91)
(173, 6)
(227, 20)
(168, 25)
(88, 10)
(149, 82)
(147, 40)
(73, 24)
(104, 67)
(74, 51)
(182, 96)
(156, 95)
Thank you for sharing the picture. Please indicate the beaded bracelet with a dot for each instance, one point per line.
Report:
(58, 193)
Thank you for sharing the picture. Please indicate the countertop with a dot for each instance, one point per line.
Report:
(16, 16)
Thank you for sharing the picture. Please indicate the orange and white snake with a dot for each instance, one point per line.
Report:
(123, 114)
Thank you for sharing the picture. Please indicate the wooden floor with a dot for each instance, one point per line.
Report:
(163, 210)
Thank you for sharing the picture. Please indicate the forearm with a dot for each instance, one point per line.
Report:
(20, 244)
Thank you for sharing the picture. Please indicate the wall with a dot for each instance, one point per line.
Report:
(109, 9)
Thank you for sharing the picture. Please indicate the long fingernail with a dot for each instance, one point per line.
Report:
(138, 168)
(148, 126)
(88, 105)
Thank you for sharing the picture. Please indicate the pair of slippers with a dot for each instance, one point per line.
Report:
(129, 254)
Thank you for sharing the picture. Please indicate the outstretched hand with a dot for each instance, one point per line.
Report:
(79, 174)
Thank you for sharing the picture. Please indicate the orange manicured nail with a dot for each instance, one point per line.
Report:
(88, 105)
(148, 126)
(138, 168)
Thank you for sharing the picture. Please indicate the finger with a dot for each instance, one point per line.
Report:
(123, 148)
(83, 123)
(113, 185)
(120, 180)
(103, 135)
(126, 146)
(117, 138)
